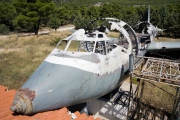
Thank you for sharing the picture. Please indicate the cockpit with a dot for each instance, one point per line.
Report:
(101, 42)
(94, 42)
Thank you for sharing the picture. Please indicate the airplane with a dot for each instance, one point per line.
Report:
(147, 31)
(146, 27)
(88, 66)
(84, 66)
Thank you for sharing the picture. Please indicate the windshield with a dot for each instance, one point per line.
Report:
(76, 46)
(96, 45)
(83, 46)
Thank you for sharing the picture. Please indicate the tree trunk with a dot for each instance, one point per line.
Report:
(36, 26)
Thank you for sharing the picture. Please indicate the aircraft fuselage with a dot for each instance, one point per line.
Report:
(71, 76)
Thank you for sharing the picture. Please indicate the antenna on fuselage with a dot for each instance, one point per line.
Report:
(148, 14)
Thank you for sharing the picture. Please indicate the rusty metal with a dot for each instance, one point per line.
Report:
(90, 61)
(29, 93)
(23, 101)
(159, 70)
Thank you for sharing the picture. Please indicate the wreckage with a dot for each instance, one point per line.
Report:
(83, 66)
(146, 32)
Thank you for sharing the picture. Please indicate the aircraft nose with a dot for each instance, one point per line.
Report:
(23, 102)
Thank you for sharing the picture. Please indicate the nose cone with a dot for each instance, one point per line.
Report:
(23, 102)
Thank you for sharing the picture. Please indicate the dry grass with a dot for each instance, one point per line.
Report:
(113, 34)
(20, 56)
(165, 39)
(158, 95)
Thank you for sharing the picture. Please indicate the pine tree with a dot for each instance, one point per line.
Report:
(32, 13)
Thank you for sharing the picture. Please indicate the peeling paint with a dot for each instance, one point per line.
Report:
(23, 101)
(94, 67)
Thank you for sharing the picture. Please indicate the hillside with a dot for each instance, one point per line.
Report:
(123, 2)
(19, 15)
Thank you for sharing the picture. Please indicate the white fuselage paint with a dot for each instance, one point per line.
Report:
(67, 78)
(108, 63)
(74, 62)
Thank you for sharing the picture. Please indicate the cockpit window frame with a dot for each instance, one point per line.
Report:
(94, 47)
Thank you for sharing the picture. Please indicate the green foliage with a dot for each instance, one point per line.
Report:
(55, 41)
(25, 23)
(54, 22)
(4, 29)
(31, 14)
(64, 14)
(7, 14)
(119, 2)
(6, 1)
(80, 22)
(93, 12)
(135, 81)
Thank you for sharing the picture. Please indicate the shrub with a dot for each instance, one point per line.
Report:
(54, 23)
(4, 29)
(55, 41)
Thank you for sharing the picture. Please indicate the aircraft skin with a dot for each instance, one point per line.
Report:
(154, 46)
(66, 78)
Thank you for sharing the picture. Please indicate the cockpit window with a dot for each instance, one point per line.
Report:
(62, 44)
(73, 46)
(83, 46)
(100, 35)
(76, 46)
(91, 35)
(100, 47)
